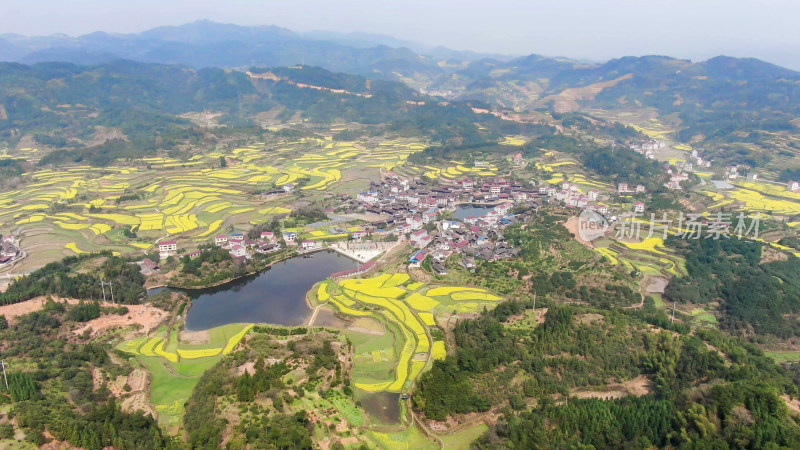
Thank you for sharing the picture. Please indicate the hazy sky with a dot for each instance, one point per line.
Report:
(590, 29)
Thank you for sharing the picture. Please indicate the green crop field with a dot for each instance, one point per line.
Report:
(410, 438)
(176, 368)
(463, 438)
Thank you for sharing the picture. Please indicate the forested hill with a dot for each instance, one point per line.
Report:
(128, 109)
(668, 84)
(566, 383)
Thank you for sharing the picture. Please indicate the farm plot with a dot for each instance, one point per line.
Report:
(176, 367)
(648, 257)
(394, 360)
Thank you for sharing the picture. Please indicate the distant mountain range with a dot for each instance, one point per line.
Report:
(514, 82)
(210, 44)
(713, 103)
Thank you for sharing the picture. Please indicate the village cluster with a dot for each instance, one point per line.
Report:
(423, 215)
(418, 211)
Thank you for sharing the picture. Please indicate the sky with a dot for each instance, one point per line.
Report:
(585, 29)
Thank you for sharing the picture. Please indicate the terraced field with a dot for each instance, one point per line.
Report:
(648, 257)
(82, 209)
(393, 361)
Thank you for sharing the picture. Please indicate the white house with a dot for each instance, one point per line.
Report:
(308, 244)
(368, 197)
(622, 188)
(418, 237)
(290, 236)
(168, 246)
(793, 186)
(503, 208)
(267, 236)
(167, 249)
(238, 251)
(592, 195)
(415, 222)
(221, 239)
(638, 207)
(428, 217)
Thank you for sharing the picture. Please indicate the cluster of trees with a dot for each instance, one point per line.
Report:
(754, 296)
(84, 312)
(789, 175)
(215, 266)
(611, 163)
(63, 279)
(210, 254)
(11, 167)
(273, 226)
(483, 346)
(310, 214)
(624, 164)
(265, 378)
(279, 431)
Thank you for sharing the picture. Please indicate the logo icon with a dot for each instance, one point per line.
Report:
(591, 225)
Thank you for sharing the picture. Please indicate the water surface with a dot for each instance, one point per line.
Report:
(275, 296)
(464, 211)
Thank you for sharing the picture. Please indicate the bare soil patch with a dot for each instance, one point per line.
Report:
(194, 337)
(567, 100)
(249, 367)
(97, 378)
(137, 380)
(572, 224)
(657, 285)
(769, 254)
(590, 319)
(138, 402)
(792, 404)
(146, 316)
(638, 387)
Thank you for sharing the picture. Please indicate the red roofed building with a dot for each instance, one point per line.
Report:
(167, 249)
(238, 251)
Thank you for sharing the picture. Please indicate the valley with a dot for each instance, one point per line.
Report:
(390, 249)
